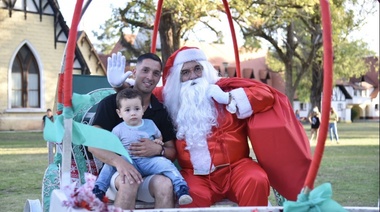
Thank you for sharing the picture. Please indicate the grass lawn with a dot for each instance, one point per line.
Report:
(352, 167)
(23, 159)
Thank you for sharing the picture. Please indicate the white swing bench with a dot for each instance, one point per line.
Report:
(86, 115)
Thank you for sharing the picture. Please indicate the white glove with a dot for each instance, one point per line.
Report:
(218, 95)
(115, 70)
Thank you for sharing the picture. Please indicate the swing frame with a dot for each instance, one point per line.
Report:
(66, 96)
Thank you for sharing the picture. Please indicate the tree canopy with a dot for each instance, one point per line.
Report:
(291, 29)
(294, 33)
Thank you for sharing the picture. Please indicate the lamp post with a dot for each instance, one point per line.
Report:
(225, 64)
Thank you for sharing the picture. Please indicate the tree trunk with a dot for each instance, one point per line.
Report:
(316, 86)
(289, 88)
(169, 35)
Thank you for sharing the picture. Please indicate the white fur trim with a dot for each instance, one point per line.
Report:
(201, 159)
(244, 109)
(189, 55)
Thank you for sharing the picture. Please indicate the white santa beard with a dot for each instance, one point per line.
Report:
(195, 119)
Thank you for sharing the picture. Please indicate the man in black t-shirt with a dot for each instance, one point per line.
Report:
(128, 180)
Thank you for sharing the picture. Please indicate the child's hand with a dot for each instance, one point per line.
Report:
(158, 141)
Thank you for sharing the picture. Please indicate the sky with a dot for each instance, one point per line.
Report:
(100, 10)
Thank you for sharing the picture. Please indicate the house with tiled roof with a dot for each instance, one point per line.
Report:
(362, 92)
(359, 94)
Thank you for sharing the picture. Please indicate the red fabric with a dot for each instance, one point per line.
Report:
(278, 139)
(157, 92)
(60, 92)
(234, 182)
(69, 60)
(260, 95)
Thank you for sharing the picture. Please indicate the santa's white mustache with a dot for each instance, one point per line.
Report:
(192, 82)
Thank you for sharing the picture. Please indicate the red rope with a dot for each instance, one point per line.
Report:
(68, 76)
(327, 93)
(232, 29)
(156, 25)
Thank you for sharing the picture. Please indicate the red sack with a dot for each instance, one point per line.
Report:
(281, 146)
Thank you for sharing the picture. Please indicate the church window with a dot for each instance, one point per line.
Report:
(25, 80)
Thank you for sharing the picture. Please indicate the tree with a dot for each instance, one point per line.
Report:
(348, 54)
(177, 18)
(293, 31)
(287, 27)
(291, 28)
(107, 35)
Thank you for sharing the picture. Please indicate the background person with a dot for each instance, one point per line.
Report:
(298, 116)
(333, 130)
(314, 124)
(49, 115)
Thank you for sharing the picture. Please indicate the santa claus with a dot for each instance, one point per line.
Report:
(214, 117)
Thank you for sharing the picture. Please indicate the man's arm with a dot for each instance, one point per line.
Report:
(170, 152)
(43, 123)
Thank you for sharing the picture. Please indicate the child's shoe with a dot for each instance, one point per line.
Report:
(98, 193)
(183, 196)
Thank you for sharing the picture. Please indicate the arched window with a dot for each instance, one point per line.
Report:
(25, 80)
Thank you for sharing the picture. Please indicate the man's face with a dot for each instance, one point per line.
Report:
(147, 74)
(191, 70)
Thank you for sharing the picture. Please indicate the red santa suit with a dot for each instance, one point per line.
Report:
(234, 169)
(281, 147)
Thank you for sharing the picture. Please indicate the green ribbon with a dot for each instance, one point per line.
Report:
(54, 131)
(83, 134)
(318, 200)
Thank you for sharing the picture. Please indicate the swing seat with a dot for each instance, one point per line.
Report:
(85, 115)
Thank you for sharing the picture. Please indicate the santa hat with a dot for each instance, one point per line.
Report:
(181, 56)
